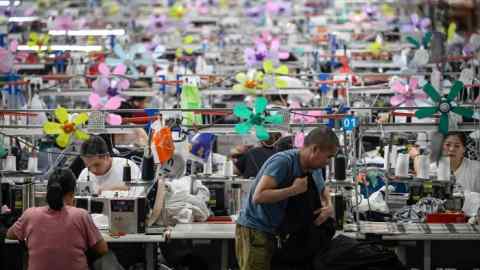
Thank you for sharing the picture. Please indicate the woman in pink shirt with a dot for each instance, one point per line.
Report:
(58, 235)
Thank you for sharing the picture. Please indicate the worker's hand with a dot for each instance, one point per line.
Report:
(323, 213)
(240, 150)
(299, 185)
(414, 152)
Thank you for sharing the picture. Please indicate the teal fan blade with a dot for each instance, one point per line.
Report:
(255, 118)
(445, 105)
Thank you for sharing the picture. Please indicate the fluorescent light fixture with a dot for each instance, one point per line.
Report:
(22, 19)
(7, 3)
(78, 48)
(88, 32)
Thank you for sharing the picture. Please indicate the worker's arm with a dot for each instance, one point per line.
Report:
(100, 248)
(11, 235)
(327, 207)
(267, 191)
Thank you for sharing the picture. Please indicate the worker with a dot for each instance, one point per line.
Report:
(249, 160)
(58, 235)
(282, 176)
(102, 171)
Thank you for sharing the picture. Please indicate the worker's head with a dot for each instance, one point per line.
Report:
(320, 146)
(454, 145)
(138, 102)
(61, 188)
(94, 153)
(272, 139)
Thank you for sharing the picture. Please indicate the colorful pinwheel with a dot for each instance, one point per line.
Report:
(157, 24)
(271, 78)
(424, 43)
(324, 87)
(64, 22)
(406, 94)
(105, 85)
(250, 82)
(177, 12)
(186, 48)
(256, 14)
(255, 56)
(255, 118)
(445, 105)
(64, 128)
(107, 103)
(38, 41)
(371, 12)
(6, 60)
(271, 45)
(130, 58)
(278, 8)
(416, 24)
(376, 48)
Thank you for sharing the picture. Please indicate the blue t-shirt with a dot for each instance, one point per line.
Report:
(284, 167)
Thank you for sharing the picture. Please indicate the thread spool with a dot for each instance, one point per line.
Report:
(401, 167)
(207, 166)
(127, 173)
(32, 164)
(340, 164)
(423, 166)
(228, 168)
(393, 156)
(443, 171)
(10, 163)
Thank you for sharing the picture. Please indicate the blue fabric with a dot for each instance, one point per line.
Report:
(284, 167)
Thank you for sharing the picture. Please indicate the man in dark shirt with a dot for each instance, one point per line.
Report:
(249, 160)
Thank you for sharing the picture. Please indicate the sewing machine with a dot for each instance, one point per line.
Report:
(125, 214)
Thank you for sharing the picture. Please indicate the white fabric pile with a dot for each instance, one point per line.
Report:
(184, 205)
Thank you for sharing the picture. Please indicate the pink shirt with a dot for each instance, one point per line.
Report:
(57, 240)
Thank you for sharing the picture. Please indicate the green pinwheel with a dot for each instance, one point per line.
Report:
(255, 118)
(445, 105)
(425, 42)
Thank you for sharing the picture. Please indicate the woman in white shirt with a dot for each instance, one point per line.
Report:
(467, 172)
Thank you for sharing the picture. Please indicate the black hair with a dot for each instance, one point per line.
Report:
(460, 135)
(284, 143)
(60, 182)
(94, 146)
(322, 136)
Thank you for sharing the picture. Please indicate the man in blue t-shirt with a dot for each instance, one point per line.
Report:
(281, 176)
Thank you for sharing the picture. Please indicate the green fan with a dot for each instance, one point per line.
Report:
(255, 118)
(445, 105)
(425, 42)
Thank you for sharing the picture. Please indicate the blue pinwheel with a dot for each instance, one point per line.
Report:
(324, 87)
(130, 59)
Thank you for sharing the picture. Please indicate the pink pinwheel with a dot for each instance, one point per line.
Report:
(406, 94)
(416, 24)
(304, 117)
(6, 60)
(278, 8)
(107, 103)
(202, 6)
(106, 86)
(64, 22)
(273, 45)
